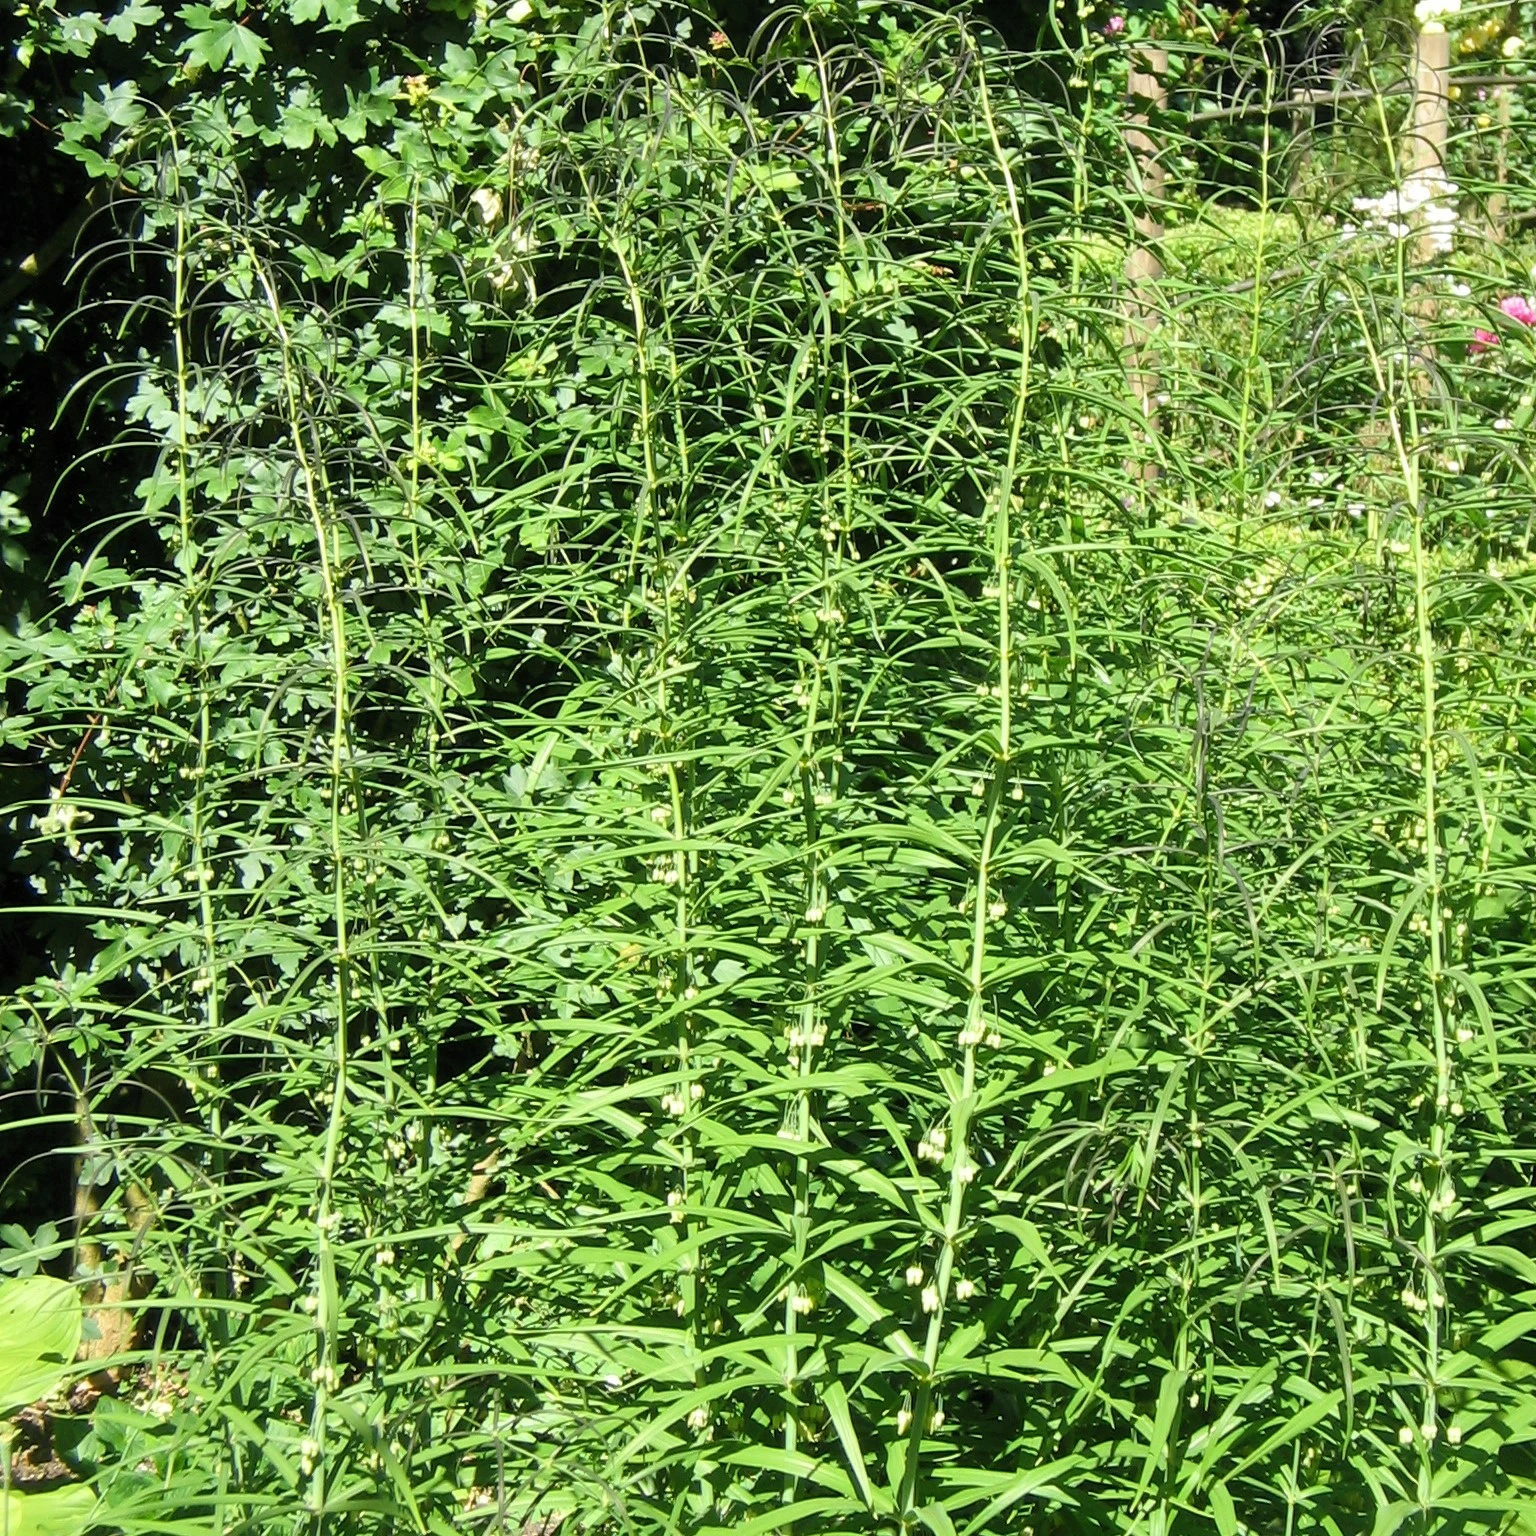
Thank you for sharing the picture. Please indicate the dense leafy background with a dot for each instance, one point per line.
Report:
(657, 881)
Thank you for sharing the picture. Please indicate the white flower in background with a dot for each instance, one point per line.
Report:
(1440, 222)
(1513, 47)
(1431, 14)
(1425, 201)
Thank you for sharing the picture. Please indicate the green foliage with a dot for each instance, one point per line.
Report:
(39, 1334)
(49, 1512)
(667, 888)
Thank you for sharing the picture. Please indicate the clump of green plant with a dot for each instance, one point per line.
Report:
(677, 895)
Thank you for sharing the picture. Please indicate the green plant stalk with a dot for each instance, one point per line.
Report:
(810, 1028)
(962, 1097)
(209, 979)
(807, 1031)
(689, 1090)
(804, 1040)
(1440, 1131)
(413, 514)
(1254, 365)
(1081, 181)
(1400, 277)
(1402, 415)
(328, 1319)
(1002, 535)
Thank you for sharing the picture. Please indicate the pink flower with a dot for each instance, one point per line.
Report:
(1482, 340)
(1114, 26)
(1519, 309)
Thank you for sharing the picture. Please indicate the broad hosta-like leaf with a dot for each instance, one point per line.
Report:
(40, 1326)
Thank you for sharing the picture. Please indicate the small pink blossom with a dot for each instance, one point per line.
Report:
(1114, 26)
(1482, 340)
(1519, 309)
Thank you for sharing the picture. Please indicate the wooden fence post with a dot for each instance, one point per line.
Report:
(1429, 121)
(1429, 124)
(1498, 204)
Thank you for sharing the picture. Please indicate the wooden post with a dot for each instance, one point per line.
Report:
(1498, 204)
(1429, 122)
(1148, 87)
